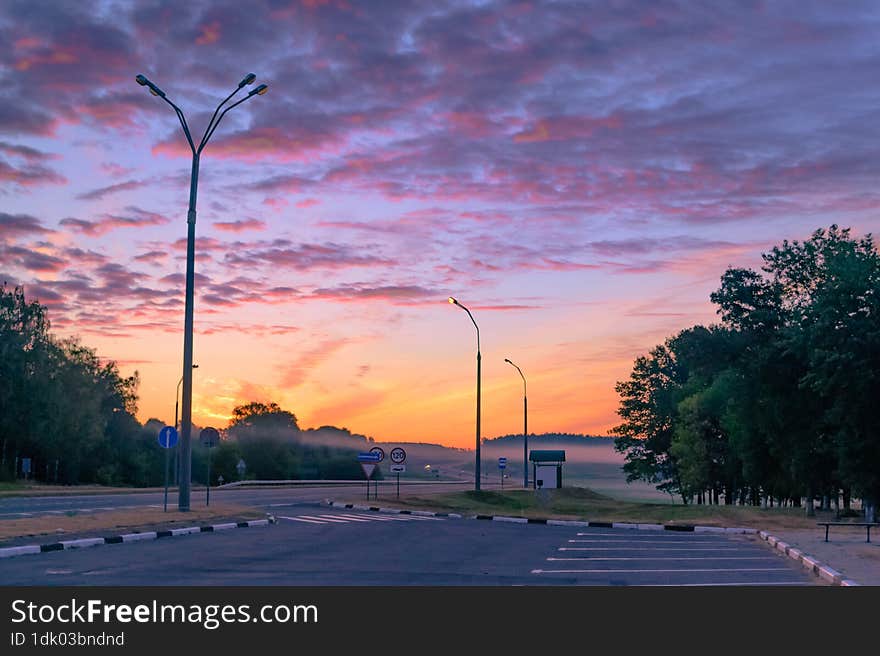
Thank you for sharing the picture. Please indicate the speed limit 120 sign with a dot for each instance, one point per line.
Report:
(398, 455)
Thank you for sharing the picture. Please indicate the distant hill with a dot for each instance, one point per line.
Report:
(548, 439)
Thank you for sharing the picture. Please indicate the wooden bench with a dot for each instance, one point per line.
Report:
(867, 526)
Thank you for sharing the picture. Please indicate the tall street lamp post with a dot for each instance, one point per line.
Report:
(477, 465)
(525, 426)
(186, 417)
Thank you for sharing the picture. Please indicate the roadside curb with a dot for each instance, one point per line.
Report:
(125, 538)
(809, 563)
(550, 522)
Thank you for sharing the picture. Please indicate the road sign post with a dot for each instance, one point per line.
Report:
(398, 470)
(167, 440)
(368, 461)
(209, 438)
(502, 465)
(398, 457)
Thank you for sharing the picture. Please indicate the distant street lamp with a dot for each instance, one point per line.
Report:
(186, 419)
(525, 427)
(477, 465)
(177, 450)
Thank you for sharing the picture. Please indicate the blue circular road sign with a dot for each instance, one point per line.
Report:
(168, 437)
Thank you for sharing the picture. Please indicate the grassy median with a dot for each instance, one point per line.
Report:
(585, 504)
(76, 523)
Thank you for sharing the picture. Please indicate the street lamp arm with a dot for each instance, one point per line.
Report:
(475, 326)
(182, 120)
(520, 375)
(210, 132)
(211, 123)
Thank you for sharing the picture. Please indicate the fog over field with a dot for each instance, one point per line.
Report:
(589, 462)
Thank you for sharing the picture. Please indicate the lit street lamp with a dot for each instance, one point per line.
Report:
(186, 418)
(477, 465)
(525, 427)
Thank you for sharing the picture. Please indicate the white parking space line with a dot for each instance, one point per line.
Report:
(659, 571)
(629, 541)
(651, 535)
(675, 558)
(703, 585)
(711, 549)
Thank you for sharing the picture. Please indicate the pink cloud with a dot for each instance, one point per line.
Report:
(240, 225)
(137, 218)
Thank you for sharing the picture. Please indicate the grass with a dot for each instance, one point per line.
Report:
(20, 489)
(585, 504)
(61, 526)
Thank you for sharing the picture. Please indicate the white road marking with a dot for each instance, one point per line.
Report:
(649, 549)
(325, 519)
(628, 541)
(701, 585)
(653, 536)
(676, 558)
(658, 571)
(349, 518)
(367, 518)
(300, 519)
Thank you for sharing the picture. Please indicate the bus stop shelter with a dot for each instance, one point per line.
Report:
(546, 468)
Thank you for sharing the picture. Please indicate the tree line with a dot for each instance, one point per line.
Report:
(777, 402)
(68, 416)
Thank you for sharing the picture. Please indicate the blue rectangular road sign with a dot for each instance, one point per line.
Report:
(502, 463)
(369, 457)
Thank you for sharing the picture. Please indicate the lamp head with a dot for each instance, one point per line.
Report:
(453, 301)
(195, 366)
(507, 361)
(248, 79)
(144, 82)
(260, 90)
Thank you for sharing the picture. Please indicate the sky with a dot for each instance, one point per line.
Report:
(578, 174)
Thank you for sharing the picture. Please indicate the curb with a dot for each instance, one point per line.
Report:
(549, 522)
(809, 563)
(393, 511)
(83, 543)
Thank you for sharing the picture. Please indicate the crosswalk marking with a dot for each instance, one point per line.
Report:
(325, 519)
(345, 518)
(300, 519)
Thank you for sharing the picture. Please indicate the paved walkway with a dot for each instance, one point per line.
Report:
(846, 551)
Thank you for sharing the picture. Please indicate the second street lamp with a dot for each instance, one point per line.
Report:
(525, 426)
(477, 464)
(186, 417)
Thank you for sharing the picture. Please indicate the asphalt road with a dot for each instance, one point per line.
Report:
(16, 507)
(316, 545)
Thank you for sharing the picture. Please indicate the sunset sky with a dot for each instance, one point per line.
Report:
(579, 174)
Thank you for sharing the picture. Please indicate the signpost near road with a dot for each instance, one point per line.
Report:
(502, 465)
(398, 457)
(368, 462)
(209, 438)
(167, 440)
